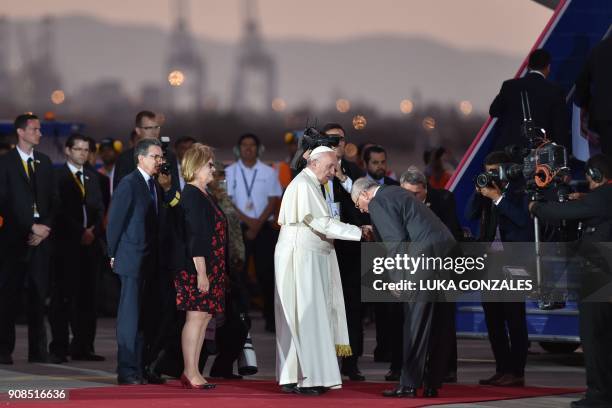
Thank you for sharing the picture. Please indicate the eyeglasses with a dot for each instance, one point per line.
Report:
(80, 149)
(150, 127)
(156, 157)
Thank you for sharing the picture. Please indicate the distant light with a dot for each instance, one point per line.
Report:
(429, 123)
(279, 105)
(343, 105)
(406, 106)
(465, 107)
(359, 122)
(58, 97)
(176, 78)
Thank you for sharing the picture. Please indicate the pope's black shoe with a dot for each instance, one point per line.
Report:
(400, 392)
(430, 392)
(312, 391)
(288, 388)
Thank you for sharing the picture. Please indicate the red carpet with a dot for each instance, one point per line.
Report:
(235, 394)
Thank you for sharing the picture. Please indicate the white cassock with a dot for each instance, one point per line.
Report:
(309, 305)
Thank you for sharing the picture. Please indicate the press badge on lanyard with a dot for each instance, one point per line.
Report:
(249, 189)
(334, 208)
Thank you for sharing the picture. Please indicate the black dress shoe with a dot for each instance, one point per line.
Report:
(312, 391)
(491, 380)
(430, 392)
(590, 403)
(87, 357)
(354, 375)
(152, 377)
(6, 359)
(393, 375)
(400, 392)
(48, 359)
(288, 388)
(129, 381)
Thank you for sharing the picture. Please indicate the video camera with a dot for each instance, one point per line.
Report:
(544, 163)
(165, 144)
(312, 139)
(506, 172)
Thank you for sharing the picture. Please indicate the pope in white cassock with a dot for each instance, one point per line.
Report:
(309, 305)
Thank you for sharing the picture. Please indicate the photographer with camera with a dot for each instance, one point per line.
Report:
(147, 126)
(502, 208)
(595, 317)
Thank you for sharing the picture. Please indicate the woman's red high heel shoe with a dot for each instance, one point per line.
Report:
(188, 385)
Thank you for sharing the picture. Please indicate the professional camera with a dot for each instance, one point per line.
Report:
(506, 172)
(165, 167)
(544, 163)
(311, 139)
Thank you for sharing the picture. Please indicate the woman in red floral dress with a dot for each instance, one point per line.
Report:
(200, 288)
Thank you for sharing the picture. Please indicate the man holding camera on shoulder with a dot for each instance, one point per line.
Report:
(595, 316)
(504, 217)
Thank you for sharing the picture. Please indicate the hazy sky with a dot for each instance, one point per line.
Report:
(508, 26)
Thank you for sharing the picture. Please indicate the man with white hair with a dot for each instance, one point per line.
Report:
(399, 217)
(309, 307)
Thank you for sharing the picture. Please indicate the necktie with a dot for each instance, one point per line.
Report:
(152, 192)
(32, 178)
(78, 175)
(31, 168)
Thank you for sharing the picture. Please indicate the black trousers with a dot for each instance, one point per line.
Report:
(386, 318)
(596, 336)
(397, 353)
(138, 320)
(427, 345)
(353, 308)
(262, 250)
(507, 329)
(73, 299)
(604, 130)
(21, 275)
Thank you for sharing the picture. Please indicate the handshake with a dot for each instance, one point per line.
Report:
(367, 233)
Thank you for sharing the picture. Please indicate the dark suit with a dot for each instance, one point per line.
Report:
(595, 317)
(74, 277)
(386, 315)
(400, 217)
(548, 110)
(506, 321)
(348, 256)
(133, 237)
(21, 265)
(442, 203)
(594, 92)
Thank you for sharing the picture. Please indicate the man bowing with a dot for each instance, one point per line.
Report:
(309, 306)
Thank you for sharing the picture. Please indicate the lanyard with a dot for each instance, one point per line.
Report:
(247, 187)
